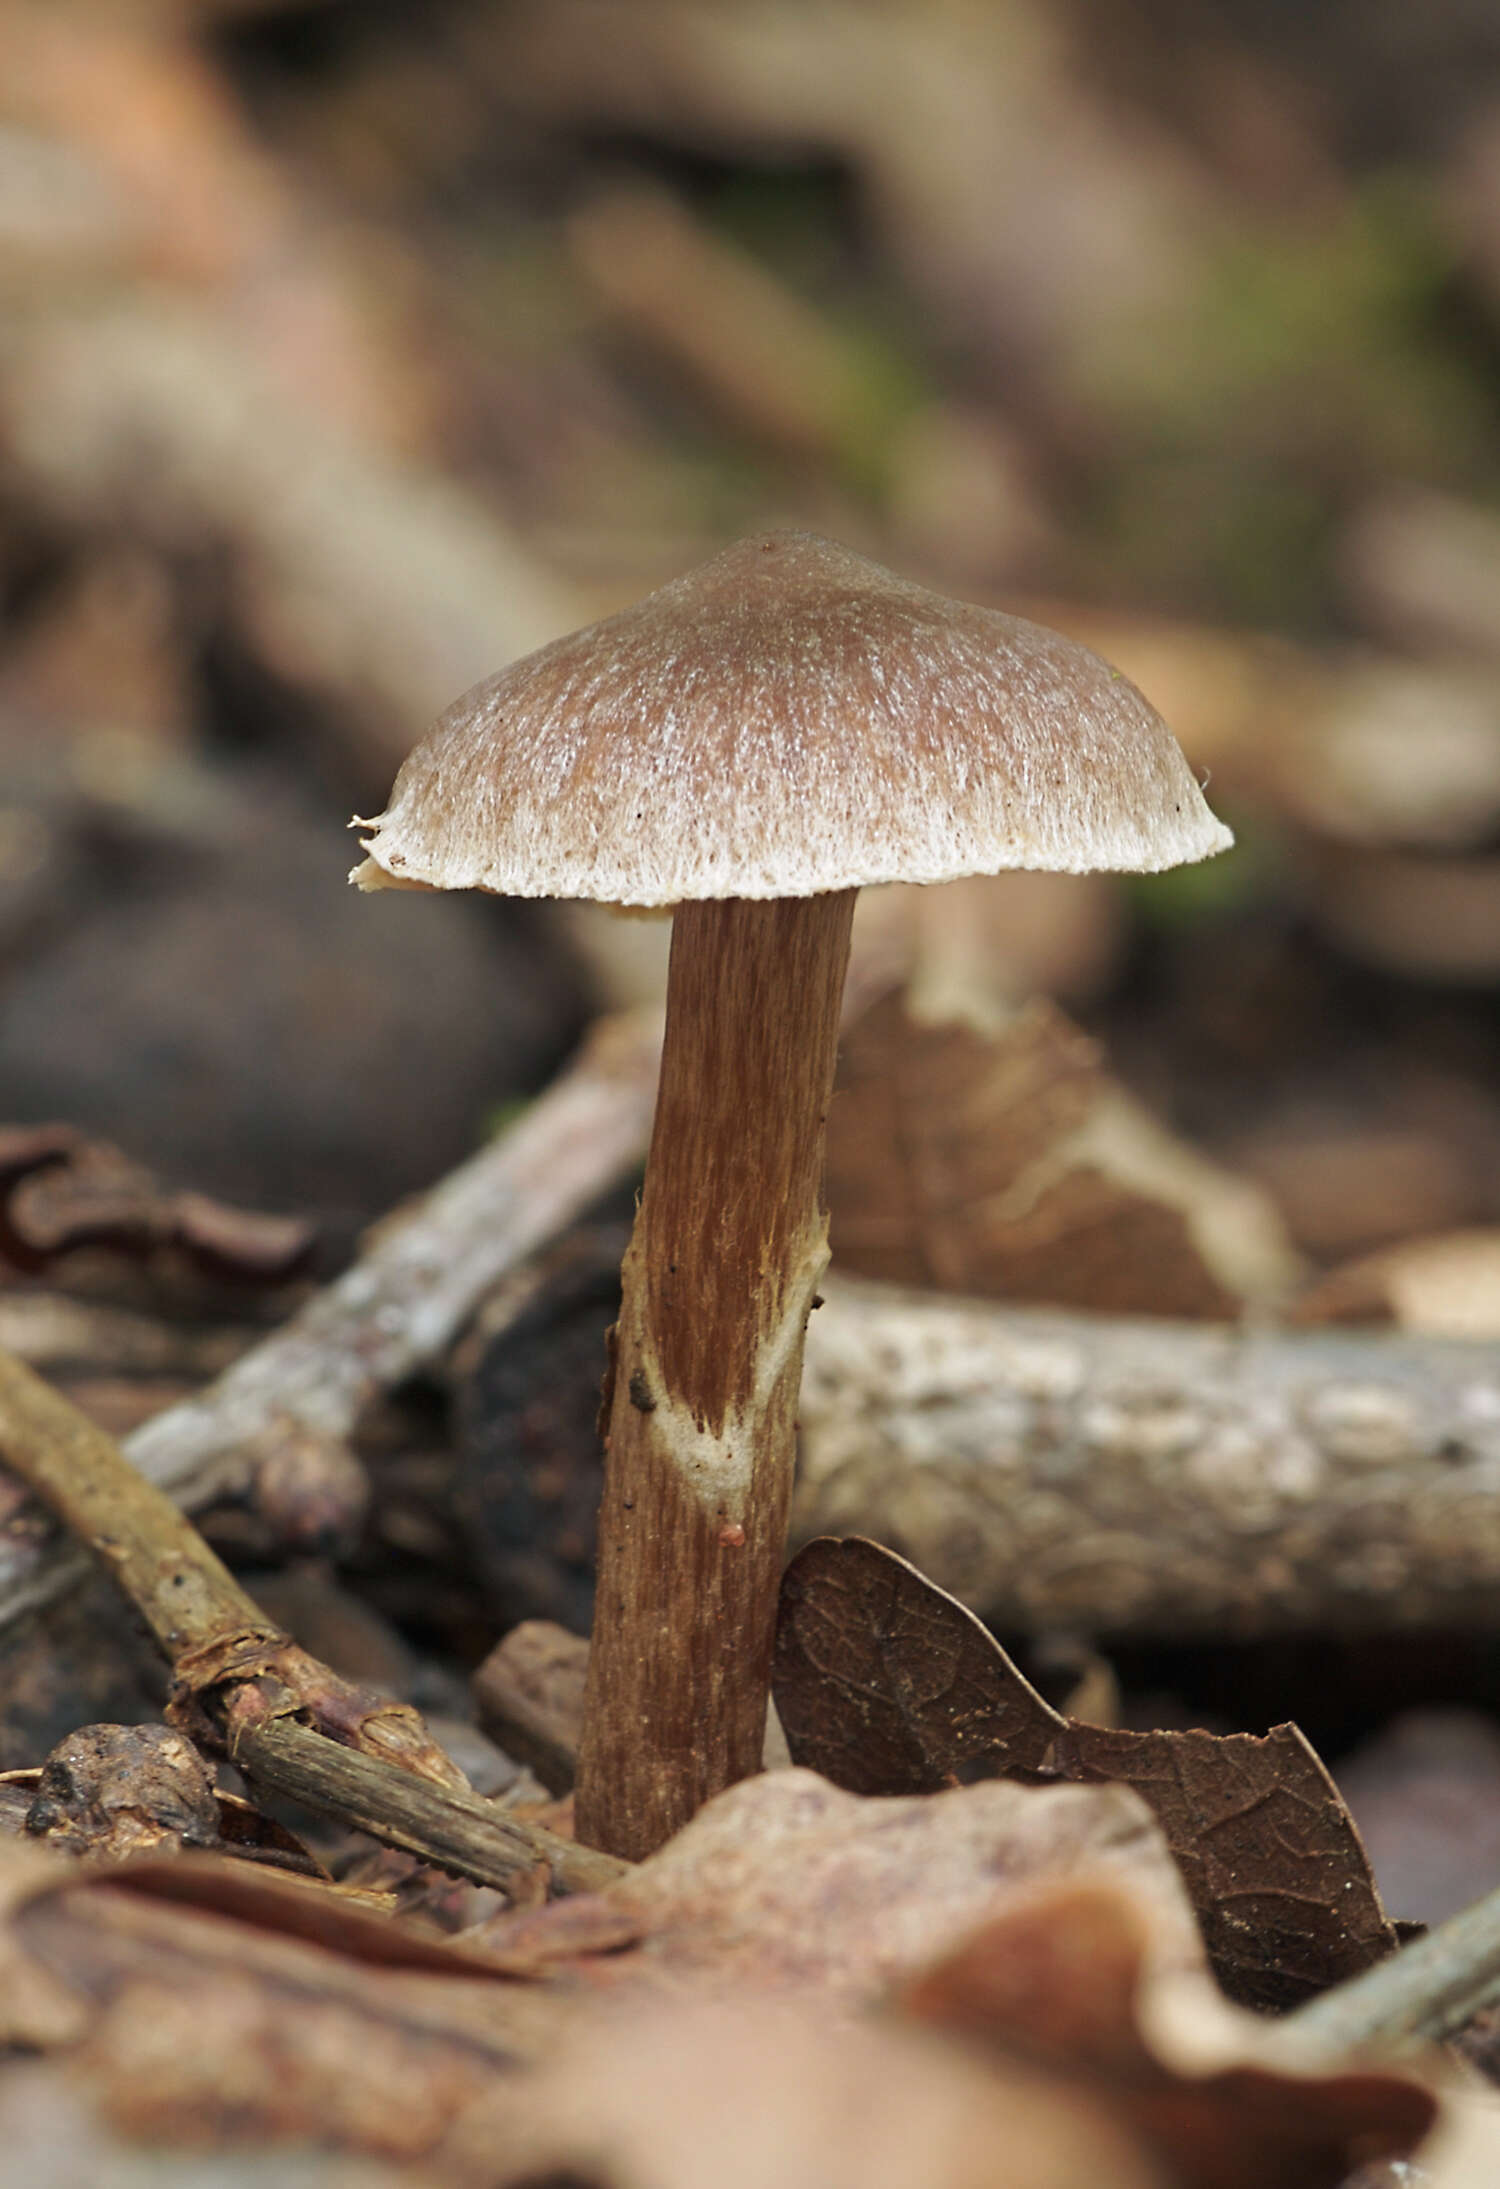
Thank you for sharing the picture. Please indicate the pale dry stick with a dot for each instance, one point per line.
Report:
(1424, 1993)
(55, 1332)
(240, 1678)
(403, 1302)
(1056, 1470)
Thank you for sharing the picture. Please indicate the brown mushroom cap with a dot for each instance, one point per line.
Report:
(787, 719)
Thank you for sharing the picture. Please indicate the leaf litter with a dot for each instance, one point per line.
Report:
(1018, 1945)
(888, 1685)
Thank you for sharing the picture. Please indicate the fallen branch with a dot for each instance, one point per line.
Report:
(242, 1685)
(403, 1302)
(1057, 1470)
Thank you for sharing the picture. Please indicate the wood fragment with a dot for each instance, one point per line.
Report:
(65, 1336)
(457, 1831)
(1051, 1468)
(118, 1791)
(530, 1696)
(153, 1553)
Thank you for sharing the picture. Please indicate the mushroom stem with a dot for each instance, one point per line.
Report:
(720, 1275)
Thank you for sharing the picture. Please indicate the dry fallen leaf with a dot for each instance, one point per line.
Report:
(60, 1192)
(51, 2127)
(787, 1883)
(1063, 1980)
(884, 1682)
(1270, 1855)
(1445, 1286)
(206, 2001)
(1011, 1165)
(762, 2097)
(702, 2019)
(37, 2010)
(882, 1689)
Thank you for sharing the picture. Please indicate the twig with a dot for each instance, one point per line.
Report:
(404, 1301)
(156, 1557)
(458, 1831)
(53, 1331)
(1418, 1996)
(238, 1678)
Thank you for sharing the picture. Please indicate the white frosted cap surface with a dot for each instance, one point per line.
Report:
(786, 719)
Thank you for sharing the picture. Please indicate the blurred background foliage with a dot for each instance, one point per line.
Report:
(347, 351)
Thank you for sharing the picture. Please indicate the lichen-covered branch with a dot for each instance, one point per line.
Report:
(1064, 1470)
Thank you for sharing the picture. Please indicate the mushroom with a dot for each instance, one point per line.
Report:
(751, 745)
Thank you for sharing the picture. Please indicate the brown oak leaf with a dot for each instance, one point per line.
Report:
(887, 1684)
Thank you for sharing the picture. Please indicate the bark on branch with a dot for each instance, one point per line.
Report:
(1057, 1469)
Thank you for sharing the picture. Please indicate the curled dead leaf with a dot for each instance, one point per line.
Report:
(60, 1193)
(1062, 1980)
(882, 1679)
(748, 2096)
(785, 1883)
(1011, 1164)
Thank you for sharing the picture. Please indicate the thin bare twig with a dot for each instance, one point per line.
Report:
(240, 1681)
(403, 1302)
(1418, 1996)
(458, 1831)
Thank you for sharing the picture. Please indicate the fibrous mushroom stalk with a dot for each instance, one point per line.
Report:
(720, 1276)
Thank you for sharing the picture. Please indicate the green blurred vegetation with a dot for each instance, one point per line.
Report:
(1306, 361)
